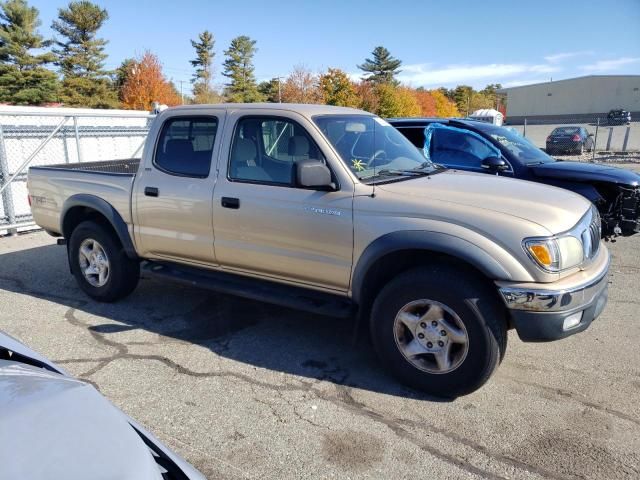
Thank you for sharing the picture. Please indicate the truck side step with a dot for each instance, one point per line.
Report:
(254, 289)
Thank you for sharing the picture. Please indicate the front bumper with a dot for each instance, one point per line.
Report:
(541, 315)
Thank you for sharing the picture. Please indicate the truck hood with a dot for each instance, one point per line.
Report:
(555, 209)
(580, 172)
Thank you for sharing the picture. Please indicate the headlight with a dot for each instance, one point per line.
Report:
(555, 254)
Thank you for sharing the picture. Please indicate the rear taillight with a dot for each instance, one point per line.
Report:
(576, 138)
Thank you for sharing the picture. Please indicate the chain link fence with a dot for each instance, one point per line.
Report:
(583, 138)
(48, 138)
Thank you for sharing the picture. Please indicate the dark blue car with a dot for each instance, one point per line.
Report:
(569, 139)
(483, 147)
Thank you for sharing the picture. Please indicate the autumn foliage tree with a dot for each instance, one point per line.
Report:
(426, 102)
(445, 107)
(396, 101)
(301, 86)
(338, 89)
(145, 83)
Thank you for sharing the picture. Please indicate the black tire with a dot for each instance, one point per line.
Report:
(476, 306)
(124, 272)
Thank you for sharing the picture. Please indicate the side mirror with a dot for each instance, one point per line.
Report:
(494, 164)
(313, 174)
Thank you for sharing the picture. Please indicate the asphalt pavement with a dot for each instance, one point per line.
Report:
(610, 138)
(245, 390)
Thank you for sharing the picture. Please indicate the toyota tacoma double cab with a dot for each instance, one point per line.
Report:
(332, 210)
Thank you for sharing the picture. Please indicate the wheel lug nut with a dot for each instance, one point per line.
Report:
(443, 333)
(441, 343)
(423, 325)
(429, 344)
(421, 335)
(434, 323)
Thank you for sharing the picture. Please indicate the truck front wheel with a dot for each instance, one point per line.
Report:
(99, 263)
(439, 330)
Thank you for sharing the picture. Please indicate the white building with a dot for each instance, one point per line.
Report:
(574, 98)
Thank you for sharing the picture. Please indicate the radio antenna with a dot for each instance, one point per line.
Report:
(373, 159)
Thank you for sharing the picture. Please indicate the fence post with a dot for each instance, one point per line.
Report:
(78, 147)
(595, 141)
(7, 202)
(626, 139)
(609, 139)
(524, 130)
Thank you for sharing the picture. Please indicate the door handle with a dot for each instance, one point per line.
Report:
(151, 191)
(229, 202)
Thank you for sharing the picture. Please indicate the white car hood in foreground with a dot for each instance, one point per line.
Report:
(56, 427)
(53, 426)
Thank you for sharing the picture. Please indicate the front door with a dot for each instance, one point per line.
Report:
(268, 226)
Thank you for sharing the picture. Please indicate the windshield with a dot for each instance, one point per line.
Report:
(566, 131)
(371, 147)
(519, 147)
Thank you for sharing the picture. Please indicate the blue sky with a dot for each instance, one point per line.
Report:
(441, 43)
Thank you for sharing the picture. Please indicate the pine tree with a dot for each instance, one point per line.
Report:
(81, 56)
(271, 90)
(382, 68)
(203, 63)
(121, 74)
(24, 79)
(238, 67)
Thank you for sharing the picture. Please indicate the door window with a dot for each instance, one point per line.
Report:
(265, 150)
(185, 146)
(458, 149)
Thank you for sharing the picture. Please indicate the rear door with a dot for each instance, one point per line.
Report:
(173, 192)
(268, 226)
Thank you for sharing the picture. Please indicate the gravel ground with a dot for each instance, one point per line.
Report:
(247, 390)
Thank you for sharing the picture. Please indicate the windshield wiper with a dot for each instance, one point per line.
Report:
(424, 165)
(405, 172)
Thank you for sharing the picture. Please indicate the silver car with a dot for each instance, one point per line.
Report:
(54, 426)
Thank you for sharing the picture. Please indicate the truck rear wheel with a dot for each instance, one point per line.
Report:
(439, 330)
(98, 261)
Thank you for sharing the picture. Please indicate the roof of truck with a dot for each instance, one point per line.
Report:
(303, 108)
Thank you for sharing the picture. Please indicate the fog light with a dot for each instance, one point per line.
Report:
(572, 321)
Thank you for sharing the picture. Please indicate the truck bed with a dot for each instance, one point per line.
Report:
(127, 166)
(50, 186)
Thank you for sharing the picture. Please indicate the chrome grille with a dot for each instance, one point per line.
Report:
(591, 236)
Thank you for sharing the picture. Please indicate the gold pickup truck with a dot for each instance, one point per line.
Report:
(332, 210)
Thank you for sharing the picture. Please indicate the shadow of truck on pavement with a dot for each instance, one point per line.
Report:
(259, 334)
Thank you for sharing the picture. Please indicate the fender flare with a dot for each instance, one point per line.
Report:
(424, 240)
(106, 210)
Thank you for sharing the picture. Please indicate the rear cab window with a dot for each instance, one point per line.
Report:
(185, 146)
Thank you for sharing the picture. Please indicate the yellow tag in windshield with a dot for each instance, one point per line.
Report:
(358, 165)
